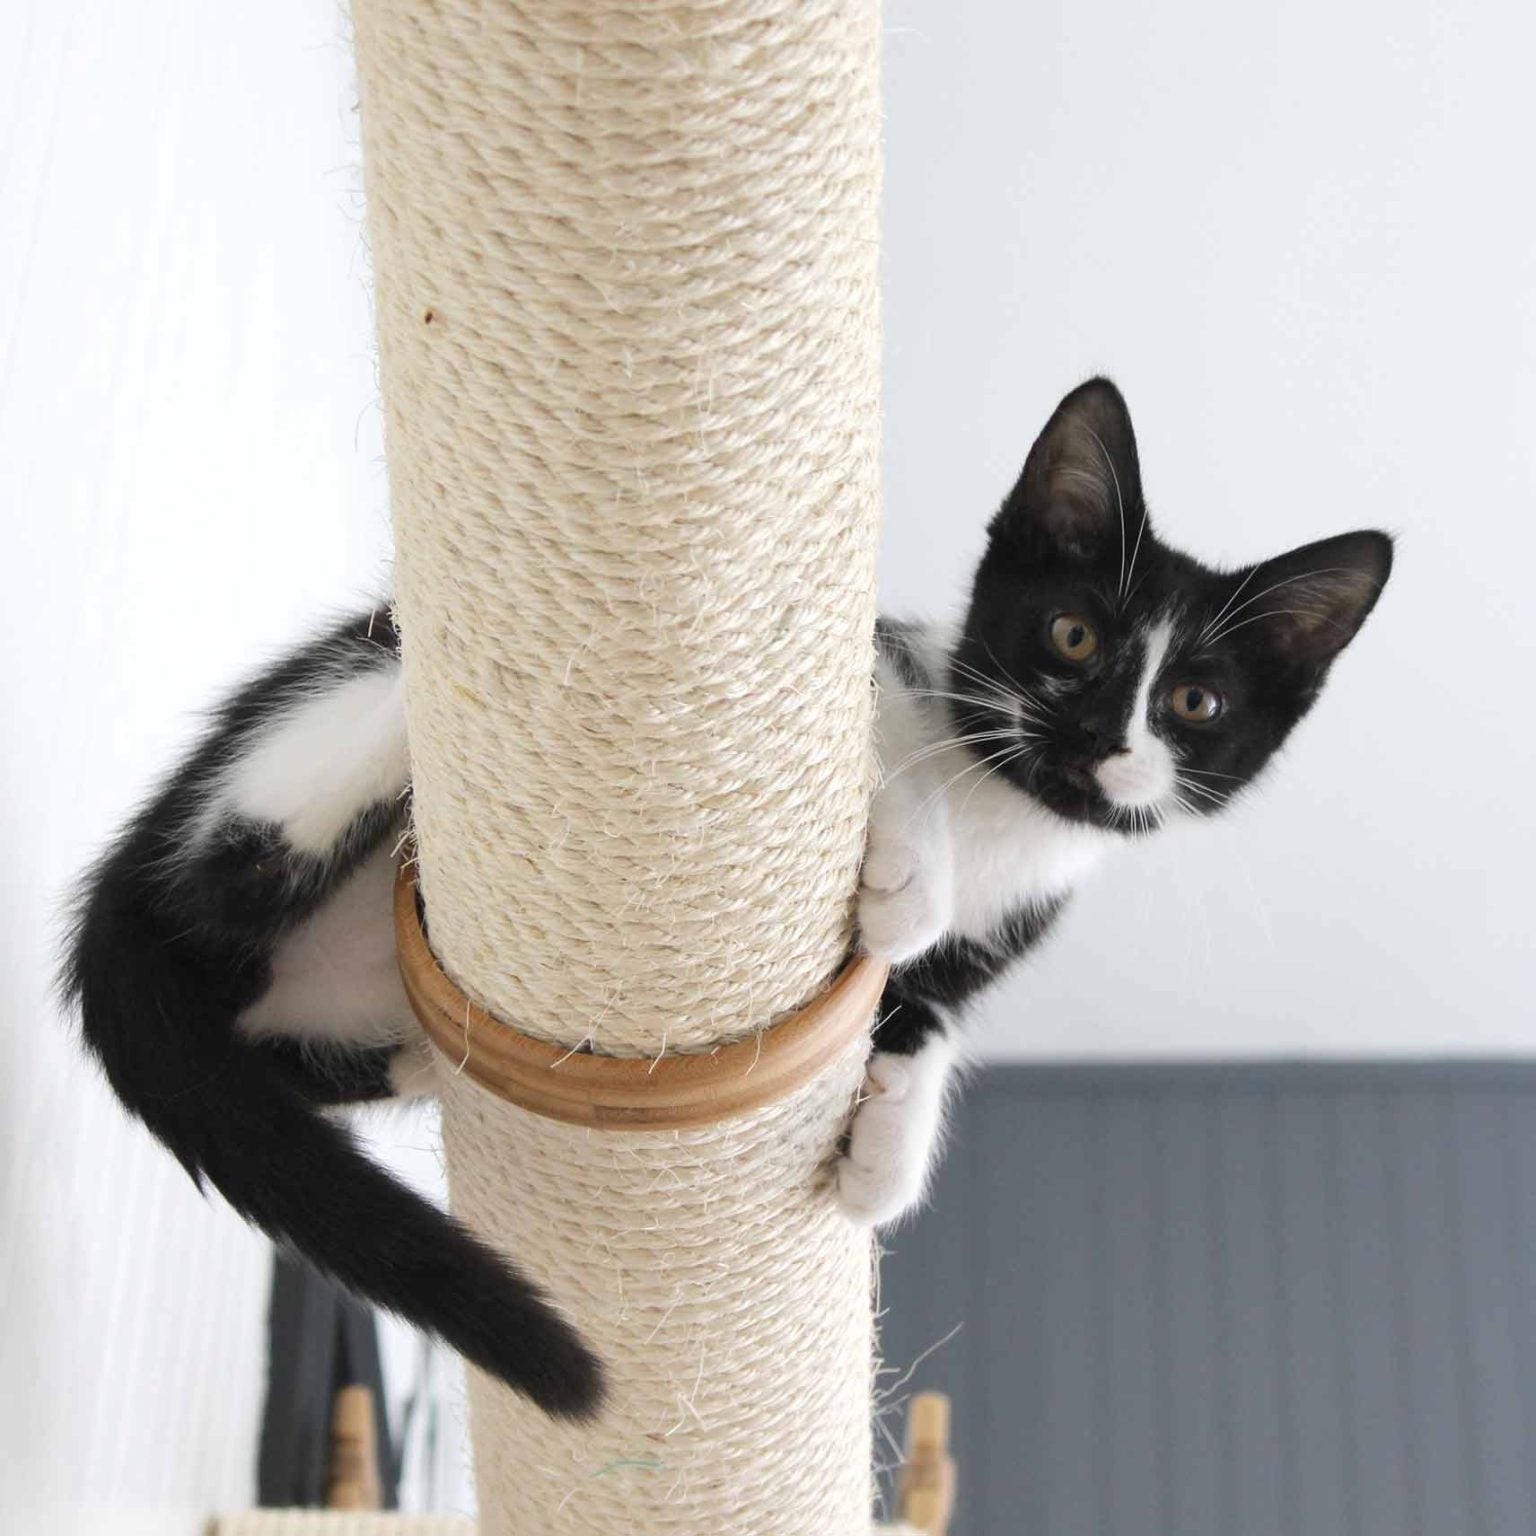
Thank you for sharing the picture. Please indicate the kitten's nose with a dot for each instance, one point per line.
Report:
(1097, 739)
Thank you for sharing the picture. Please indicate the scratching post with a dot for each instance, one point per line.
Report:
(626, 287)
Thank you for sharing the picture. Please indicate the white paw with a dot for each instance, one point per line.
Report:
(904, 903)
(895, 1131)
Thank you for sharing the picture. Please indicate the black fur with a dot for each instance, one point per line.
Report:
(167, 952)
(918, 995)
(1073, 537)
(329, 1077)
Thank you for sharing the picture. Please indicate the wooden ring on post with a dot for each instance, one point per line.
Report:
(670, 1092)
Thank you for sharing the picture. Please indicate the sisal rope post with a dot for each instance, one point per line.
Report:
(626, 273)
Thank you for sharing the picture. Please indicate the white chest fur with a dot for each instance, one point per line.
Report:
(954, 845)
(955, 849)
(1006, 850)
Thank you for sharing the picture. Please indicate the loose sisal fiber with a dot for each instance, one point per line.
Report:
(626, 263)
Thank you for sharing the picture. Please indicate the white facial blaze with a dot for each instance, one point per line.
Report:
(1144, 775)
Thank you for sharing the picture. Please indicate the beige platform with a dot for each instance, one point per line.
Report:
(313, 1522)
(927, 1483)
(324, 1522)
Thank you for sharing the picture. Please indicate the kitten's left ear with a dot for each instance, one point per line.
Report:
(1311, 602)
(1080, 493)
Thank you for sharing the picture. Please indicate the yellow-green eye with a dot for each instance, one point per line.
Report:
(1189, 701)
(1074, 637)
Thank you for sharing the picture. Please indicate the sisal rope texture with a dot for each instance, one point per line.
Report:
(626, 270)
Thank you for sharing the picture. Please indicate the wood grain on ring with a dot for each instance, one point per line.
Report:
(622, 1092)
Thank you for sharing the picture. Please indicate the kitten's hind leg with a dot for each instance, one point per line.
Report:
(326, 1077)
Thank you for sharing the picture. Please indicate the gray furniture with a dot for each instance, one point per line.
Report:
(1233, 1301)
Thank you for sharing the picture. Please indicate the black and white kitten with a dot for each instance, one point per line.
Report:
(232, 959)
(1101, 683)
(232, 963)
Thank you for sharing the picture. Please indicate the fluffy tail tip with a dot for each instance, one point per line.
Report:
(575, 1385)
(558, 1374)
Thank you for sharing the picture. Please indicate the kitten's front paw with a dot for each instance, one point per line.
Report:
(904, 903)
(894, 1133)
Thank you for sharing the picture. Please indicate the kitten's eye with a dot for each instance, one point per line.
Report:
(1074, 636)
(1189, 701)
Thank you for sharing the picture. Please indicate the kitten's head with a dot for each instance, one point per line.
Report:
(1115, 679)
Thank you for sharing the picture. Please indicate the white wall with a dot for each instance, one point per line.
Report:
(1302, 238)
(189, 471)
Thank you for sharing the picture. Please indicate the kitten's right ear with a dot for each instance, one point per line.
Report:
(1080, 492)
(1309, 604)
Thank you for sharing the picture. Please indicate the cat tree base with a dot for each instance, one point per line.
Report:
(309, 1522)
(927, 1491)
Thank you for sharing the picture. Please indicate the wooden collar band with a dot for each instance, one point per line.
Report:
(621, 1092)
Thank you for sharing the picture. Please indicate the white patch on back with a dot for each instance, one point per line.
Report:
(1145, 774)
(896, 1133)
(313, 769)
(335, 978)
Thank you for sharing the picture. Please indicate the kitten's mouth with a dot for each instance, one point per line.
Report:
(1079, 777)
(1070, 790)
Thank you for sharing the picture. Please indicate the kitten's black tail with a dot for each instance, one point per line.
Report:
(229, 1118)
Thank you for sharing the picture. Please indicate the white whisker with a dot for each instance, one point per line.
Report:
(1000, 702)
(1140, 818)
(1276, 613)
(1330, 570)
(950, 744)
(955, 778)
(1011, 680)
(1005, 760)
(1004, 704)
(1119, 502)
(1130, 589)
(1200, 639)
(1206, 793)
